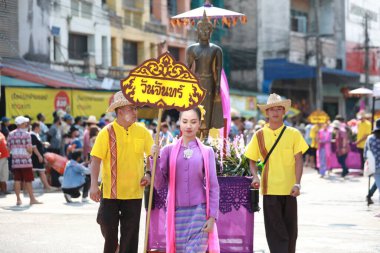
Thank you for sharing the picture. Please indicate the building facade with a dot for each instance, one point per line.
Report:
(140, 29)
(281, 38)
(356, 12)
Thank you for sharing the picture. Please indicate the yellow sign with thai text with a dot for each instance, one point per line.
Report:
(87, 103)
(163, 83)
(318, 117)
(31, 101)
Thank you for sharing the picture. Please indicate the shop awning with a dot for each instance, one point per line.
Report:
(15, 82)
(282, 69)
(28, 73)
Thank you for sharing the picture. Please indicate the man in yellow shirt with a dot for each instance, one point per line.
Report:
(364, 129)
(314, 144)
(119, 149)
(281, 176)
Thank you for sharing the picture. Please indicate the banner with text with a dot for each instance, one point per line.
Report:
(86, 103)
(31, 101)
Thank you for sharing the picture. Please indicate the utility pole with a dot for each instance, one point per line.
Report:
(319, 80)
(366, 49)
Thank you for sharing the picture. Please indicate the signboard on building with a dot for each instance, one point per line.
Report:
(87, 103)
(31, 101)
(358, 9)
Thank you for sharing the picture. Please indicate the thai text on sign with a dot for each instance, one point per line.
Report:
(163, 83)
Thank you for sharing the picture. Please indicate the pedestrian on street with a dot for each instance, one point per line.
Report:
(373, 144)
(43, 128)
(364, 129)
(76, 178)
(5, 126)
(342, 144)
(90, 122)
(120, 148)
(4, 168)
(281, 174)
(324, 149)
(20, 145)
(38, 156)
(56, 147)
(191, 214)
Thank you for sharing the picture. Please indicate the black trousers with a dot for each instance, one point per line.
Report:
(280, 219)
(75, 192)
(361, 151)
(127, 212)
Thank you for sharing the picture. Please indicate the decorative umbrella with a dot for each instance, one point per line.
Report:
(361, 92)
(213, 13)
(318, 117)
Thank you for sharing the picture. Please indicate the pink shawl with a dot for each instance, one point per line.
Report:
(213, 240)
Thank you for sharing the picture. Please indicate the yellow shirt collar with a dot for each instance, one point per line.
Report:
(275, 132)
(117, 125)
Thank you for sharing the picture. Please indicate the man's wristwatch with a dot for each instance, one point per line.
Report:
(298, 186)
(148, 172)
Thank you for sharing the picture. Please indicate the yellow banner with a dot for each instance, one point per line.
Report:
(31, 101)
(86, 103)
(163, 83)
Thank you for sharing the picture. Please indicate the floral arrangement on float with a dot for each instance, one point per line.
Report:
(233, 162)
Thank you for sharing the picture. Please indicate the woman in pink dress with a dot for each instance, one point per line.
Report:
(324, 149)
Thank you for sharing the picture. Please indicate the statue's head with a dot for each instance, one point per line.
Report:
(204, 28)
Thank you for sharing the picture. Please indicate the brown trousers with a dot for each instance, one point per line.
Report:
(281, 227)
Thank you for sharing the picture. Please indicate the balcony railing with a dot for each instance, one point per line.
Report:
(155, 27)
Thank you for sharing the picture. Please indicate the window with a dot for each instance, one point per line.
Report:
(77, 46)
(81, 9)
(86, 10)
(75, 8)
(129, 52)
(133, 18)
(299, 21)
(129, 3)
(172, 7)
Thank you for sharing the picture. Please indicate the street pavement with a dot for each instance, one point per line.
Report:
(333, 217)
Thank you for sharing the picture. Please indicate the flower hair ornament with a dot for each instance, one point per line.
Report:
(203, 111)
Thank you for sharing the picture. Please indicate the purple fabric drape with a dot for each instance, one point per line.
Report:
(352, 160)
(235, 223)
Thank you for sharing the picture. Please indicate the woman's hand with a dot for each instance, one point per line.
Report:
(209, 225)
(155, 149)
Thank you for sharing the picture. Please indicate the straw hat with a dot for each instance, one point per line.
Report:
(92, 120)
(118, 101)
(273, 101)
